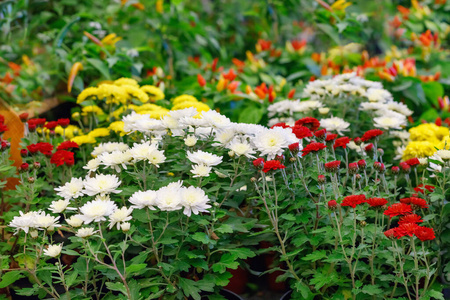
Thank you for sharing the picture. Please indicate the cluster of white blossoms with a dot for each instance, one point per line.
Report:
(100, 184)
(172, 197)
(34, 220)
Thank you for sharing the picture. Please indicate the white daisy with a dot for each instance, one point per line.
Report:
(119, 216)
(53, 250)
(142, 199)
(201, 170)
(335, 124)
(101, 184)
(194, 200)
(96, 211)
(205, 158)
(72, 189)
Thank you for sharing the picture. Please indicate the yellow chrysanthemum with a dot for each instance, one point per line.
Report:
(155, 114)
(83, 139)
(418, 149)
(136, 93)
(87, 93)
(198, 105)
(112, 93)
(91, 109)
(154, 93)
(126, 81)
(147, 106)
(99, 132)
(117, 127)
(117, 113)
(184, 98)
(445, 143)
(71, 131)
(428, 132)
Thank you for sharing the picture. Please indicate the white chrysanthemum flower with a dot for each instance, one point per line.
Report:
(92, 165)
(194, 122)
(403, 135)
(74, 221)
(24, 221)
(423, 161)
(335, 124)
(248, 129)
(115, 159)
(223, 137)
(168, 198)
(324, 110)
(273, 142)
(190, 140)
(399, 108)
(101, 197)
(149, 125)
(156, 157)
(120, 215)
(125, 226)
(389, 122)
(53, 250)
(241, 148)
(59, 206)
(130, 121)
(72, 189)
(85, 232)
(109, 147)
(194, 200)
(181, 113)
(215, 119)
(142, 199)
(435, 167)
(378, 95)
(205, 158)
(201, 170)
(97, 211)
(443, 154)
(172, 123)
(101, 184)
(46, 222)
(140, 151)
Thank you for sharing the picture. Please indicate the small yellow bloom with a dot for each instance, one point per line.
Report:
(222, 84)
(136, 93)
(111, 39)
(112, 93)
(91, 109)
(146, 106)
(99, 132)
(87, 93)
(198, 105)
(83, 139)
(153, 92)
(170, 174)
(117, 127)
(340, 5)
(418, 149)
(126, 81)
(71, 131)
(159, 6)
(184, 98)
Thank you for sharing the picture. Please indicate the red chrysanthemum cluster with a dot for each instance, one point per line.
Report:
(294, 148)
(423, 189)
(44, 148)
(62, 157)
(371, 134)
(3, 127)
(331, 137)
(341, 142)
(301, 132)
(313, 147)
(376, 202)
(398, 209)
(311, 123)
(413, 162)
(353, 200)
(415, 202)
(332, 166)
(67, 145)
(321, 134)
(411, 218)
(272, 165)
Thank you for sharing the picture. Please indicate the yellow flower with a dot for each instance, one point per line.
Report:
(87, 93)
(153, 92)
(197, 105)
(112, 93)
(117, 127)
(184, 98)
(119, 111)
(111, 39)
(445, 143)
(155, 114)
(136, 93)
(146, 106)
(91, 109)
(222, 84)
(160, 6)
(83, 139)
(340, 5)
(126, 81)
(428, 132)
(418, 149)
(71, 131)
(99, 132)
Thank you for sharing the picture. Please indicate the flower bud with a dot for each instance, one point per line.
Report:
(324, 110)
(321, 134)
(333, 166)
(37, 165)
(253, 179)
(380, 151)
(259, 163)
(76, 116)
(357, 141)
(332, 204)
(363, 223)
(23, 152)
(125, 226)
(280, 158)
(31, 179)
(382, 168)
(23, 117)
(369, 148)
(292, 159)
(390, 234)
(23, 167)
(34, 234)
(31, 127)
(231, 153)
(190, 140)
(405, 168)
(395, 170)
(321, 179)
(52, 133)
(362, 164)
(376, 165)
(352, 168)
(294, 148)
(358, 177)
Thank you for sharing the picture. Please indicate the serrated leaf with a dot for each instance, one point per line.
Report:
(316, 255)
(9, 278)
(370, 289)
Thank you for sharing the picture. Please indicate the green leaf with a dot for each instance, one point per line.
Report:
(135, 268)
(224, 228)
(9, 278)
(117, 286)
(59, 39)
(201, 237)
(316, 255)
(251, 114)
(433, 90)
(100, 66)
(189, 288)
(70, 279)
(370, 289)
(329, 30)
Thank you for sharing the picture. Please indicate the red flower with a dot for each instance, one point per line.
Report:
(2, 119)
(33, 148)
(282, 125)
(3, 128)
(390, 233)
(332, 166)
(413, 162)
(353, 200)
(425, 233)
(332, 204)
(23, 117)
(36, 122)
(353, 168)
(51, 125)
(311, 123)
(406, 229)
(418, 202)
(67, 145)
(321, 134)
(331, 137)
(369, 147)
(420, 188)
(395, 170)
(24, 167)
(313, 147)
(201, 81)
(301, 132)
(291, 94)
(362, 163)
(62, 157)
(371, 134)
(23, 152)
(44, 147)
(294, 148)
(272, 165)
(63, 122)
(405, 167)
(357, 141)
(321, 179)
(398, 209)
(258, 163)
(341, 142)
(412, 218)
(376, 202)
